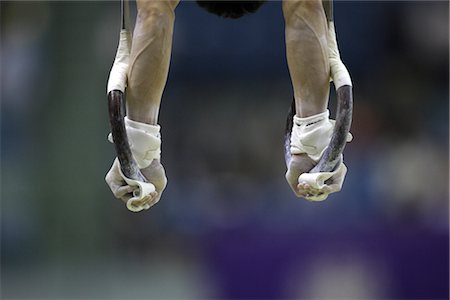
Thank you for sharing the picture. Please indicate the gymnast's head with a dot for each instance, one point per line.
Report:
(230, 9)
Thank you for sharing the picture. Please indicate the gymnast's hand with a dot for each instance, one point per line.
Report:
(310, 137)
(125, 190)
(324, 183)
(145, 145)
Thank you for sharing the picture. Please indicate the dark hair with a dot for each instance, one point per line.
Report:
(230, 9)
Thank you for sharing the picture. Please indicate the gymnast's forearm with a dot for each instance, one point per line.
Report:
(307, 55)
(149, 59)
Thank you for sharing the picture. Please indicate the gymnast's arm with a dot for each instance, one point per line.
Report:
(147, 75)
(308, 55)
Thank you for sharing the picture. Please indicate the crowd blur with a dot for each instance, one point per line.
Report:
(228, 225)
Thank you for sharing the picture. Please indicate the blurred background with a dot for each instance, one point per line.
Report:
(228, 225)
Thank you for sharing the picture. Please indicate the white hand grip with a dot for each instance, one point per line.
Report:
(143, 189)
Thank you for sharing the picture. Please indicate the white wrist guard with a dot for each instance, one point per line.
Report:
(118, 75)
(311, 135)
(339, 72)
(145, 142)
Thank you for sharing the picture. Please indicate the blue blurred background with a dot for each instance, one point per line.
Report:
(228, 226)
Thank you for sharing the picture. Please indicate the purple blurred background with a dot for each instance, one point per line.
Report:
(228, 226)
